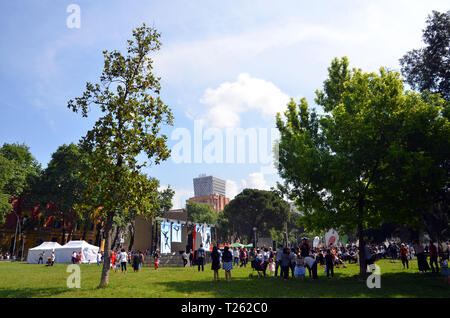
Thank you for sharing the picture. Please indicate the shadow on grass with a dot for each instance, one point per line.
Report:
(31, 292)
(392, 285)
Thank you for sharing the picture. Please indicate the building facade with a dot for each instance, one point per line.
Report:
(209, 185)
(217, 202)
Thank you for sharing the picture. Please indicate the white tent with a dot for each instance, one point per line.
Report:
(35, 252)
(88, 252)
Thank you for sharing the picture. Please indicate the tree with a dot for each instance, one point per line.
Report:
(375, 156)
(18, 171)
(428, 68)
(130, 125)
(201, 213)
(251, 208)
(60, 188)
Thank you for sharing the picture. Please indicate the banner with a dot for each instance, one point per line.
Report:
(332, 237)
(207, 237)
(176, 232)
(198, 236)
(165, 237)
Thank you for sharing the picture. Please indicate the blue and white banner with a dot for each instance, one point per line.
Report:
(165, 237)
(207, 237)
(176, 232)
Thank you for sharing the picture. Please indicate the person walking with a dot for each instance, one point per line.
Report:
(215, 262)
(201, 257)
(227, 259)
(135, 262)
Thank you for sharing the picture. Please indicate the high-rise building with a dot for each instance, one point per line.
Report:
(208, 185)
(210, 190)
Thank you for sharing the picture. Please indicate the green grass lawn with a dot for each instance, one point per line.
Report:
(29, 280)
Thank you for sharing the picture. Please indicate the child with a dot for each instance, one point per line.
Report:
(300, 267)
(271, 267)
(444, 267)
(156, 257)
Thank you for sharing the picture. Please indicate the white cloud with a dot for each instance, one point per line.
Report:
(180, 196)
(229, 100)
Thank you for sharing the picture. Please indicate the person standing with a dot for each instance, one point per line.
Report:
(311, 264)
(99, 258)
(156, 257)
(278, 256)
(304, 248)
(292, 261)
(135, 262)
(404, 256)
(227, 259)
(74, 257)
(329, 264)
(421, 258)
(235, 257)
(285, 263)
(41, 258)
(201, 257)
(215, 263)
(123, 258)
(191, 258)
(185, 258)
(433, 257)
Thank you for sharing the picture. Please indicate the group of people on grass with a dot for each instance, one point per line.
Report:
(295, 261)
(136, 259)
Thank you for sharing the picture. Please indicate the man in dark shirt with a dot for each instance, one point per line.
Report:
(304, 248)
(329, 264)
(201, 258)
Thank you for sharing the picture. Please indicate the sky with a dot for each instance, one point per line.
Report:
(226, 68)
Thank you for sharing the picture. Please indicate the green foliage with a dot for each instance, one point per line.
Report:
(132, 116)
(18, 171)
(201, 213)
(428, 68)
(262, 209)
(376, 155)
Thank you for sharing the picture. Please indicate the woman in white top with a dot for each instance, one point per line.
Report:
(123, 260)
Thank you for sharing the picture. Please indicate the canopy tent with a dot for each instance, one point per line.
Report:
(46, 248)
(88, 252)
(236, 245)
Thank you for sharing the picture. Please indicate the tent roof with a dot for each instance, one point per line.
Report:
(47, 246)
(74, 244)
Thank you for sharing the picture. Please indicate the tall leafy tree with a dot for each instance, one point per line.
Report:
(130, 124)
(18, 171)
(60, 187)
(428, 68)
(375, 155)
(201, 213)
(262, 209)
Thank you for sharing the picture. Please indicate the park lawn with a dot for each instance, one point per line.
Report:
(30, 280)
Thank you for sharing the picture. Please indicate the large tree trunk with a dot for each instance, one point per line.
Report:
(107, 251)
(116, 237)
(63, 234)
(132, 230)
(362, 243)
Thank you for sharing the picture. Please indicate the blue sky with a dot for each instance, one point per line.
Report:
(223, 64)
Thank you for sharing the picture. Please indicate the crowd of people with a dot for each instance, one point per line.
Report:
(285, 262)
